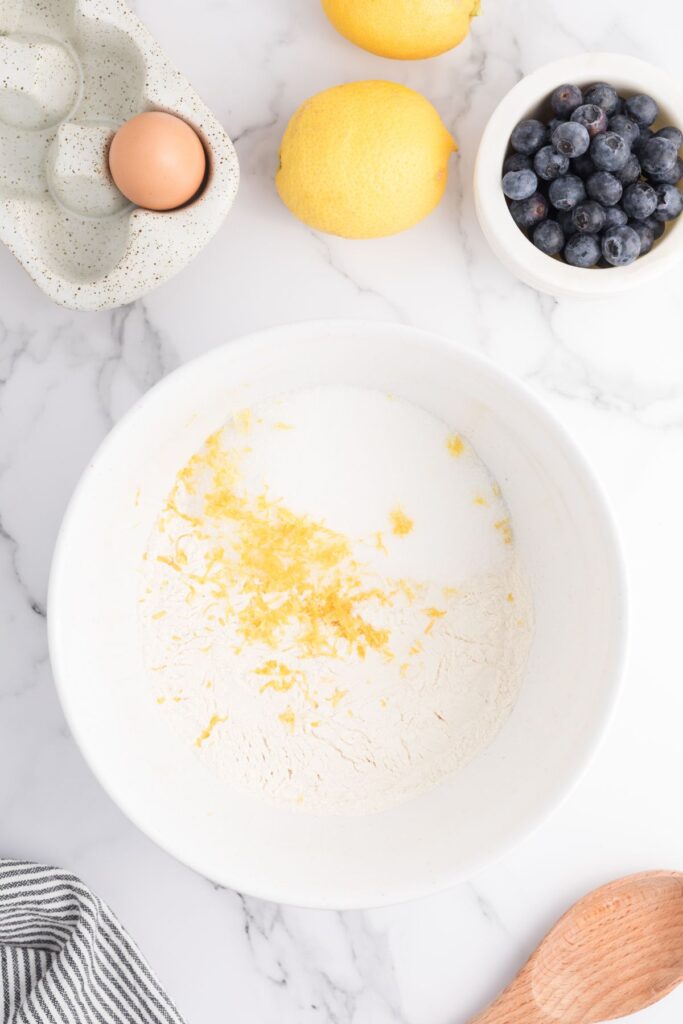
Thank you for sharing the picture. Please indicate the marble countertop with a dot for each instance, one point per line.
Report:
(611, 371)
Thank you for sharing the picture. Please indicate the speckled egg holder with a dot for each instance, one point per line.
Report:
(72, 72)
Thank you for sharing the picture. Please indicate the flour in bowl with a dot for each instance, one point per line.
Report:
(334, 614)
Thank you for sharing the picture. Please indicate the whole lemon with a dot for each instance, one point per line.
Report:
(364, 160)
(403, 29)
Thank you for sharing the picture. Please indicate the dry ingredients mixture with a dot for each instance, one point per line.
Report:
(333, 611)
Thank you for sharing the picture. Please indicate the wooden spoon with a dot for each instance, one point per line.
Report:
(616, 951)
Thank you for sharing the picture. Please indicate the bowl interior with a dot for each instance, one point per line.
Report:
(530, 98)
(564, 535)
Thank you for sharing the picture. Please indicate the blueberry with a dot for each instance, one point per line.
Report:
(564, 193)
(615, 216)
(593, 118)
(644, 136)
(549, 237)
(630, 172)
(528, 137)
(671, 177)
(517, 162)
(603, 95)
(583, 166)
(555, 123)
(582, 250)
(588, 217)
(528, 212)
(519, 184)
(658, 156)
(604, 187)
(549, 164)
(609, 152)
(674, 135)
(621, 246)
(645, 234)
(642, 109)
(658, 227)
(566, 99)
(640, 200)
(625, 127)
(571, 139)
(564, 219)
(669, 203)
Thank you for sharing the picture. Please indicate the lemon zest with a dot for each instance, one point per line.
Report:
(288, 718)
(206, 733)
(243, 420)
(455, 445)
(505, 529)
(401, 524)
(336, 697)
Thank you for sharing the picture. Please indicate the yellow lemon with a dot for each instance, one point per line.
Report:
(364, 160)
(403, 29)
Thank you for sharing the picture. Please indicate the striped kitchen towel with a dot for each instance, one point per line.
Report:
(65, 959)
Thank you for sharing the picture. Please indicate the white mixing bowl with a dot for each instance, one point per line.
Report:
(565, 536)
(530, 98)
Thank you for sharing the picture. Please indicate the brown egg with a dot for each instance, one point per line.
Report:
(157, 161)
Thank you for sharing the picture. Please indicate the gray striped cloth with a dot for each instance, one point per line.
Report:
(65, 959)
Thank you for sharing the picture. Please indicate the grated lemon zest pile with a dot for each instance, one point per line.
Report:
(284, 574)
(285, 580)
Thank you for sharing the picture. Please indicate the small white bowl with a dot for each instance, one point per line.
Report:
(529, 98)
(565, 536)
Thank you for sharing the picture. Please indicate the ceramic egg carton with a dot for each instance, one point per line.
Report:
(72, 72)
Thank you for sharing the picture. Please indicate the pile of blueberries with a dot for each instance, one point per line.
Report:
(596, 185)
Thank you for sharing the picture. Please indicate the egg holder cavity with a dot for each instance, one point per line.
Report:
(72, 72)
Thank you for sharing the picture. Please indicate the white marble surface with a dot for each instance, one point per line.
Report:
(612, 371)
